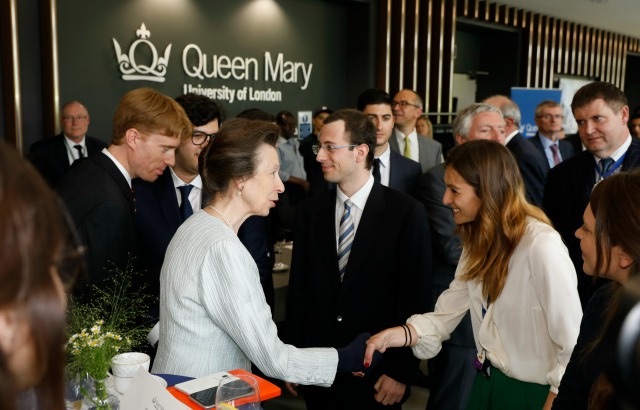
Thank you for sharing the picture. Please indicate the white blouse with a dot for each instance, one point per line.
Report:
(529, 332)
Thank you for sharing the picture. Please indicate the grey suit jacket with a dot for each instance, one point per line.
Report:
(429, 151)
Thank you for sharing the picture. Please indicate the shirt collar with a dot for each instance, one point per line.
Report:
(359, 199)
(619, 152)
(385, 157)
(71, 142)
(197, 181)
(510, 137)
(122, 169)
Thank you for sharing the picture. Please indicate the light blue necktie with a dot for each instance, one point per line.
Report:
(345, 238)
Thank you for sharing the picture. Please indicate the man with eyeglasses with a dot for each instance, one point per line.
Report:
(162, 205)
(53, 156)
(407, 108)
(549, 118)
(361, 261)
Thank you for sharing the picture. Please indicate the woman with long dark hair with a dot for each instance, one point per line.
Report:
(34, 259)
(610, 244)
(514, 276)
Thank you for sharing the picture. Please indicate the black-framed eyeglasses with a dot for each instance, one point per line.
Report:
(330, 148)
(403, 104)
(199, 137)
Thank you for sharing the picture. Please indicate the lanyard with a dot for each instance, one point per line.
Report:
(611, 170)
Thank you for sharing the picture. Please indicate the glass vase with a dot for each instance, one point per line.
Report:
(97, 397)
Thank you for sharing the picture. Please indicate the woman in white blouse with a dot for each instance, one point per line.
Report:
(515, 277)
(213, 313)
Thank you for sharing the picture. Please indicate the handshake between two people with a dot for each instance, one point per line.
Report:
(350, 357)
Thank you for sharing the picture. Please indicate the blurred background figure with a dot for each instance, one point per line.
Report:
(424, 128)
(35, 260)
(53, 156)
(317, 183)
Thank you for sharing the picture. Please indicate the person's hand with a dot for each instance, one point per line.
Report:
(388, 390)
(549, 402)
(350, 356)
(291, 388)
(392, 337)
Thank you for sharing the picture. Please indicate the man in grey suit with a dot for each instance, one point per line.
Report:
(53, 156)
(389, 167)
(549, 121)
(407, 108)
(452, 372)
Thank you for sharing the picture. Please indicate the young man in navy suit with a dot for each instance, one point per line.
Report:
(54, 156)
(163, 205)
(374, 275)
(548, 116)
(601, 112)
(389, 167)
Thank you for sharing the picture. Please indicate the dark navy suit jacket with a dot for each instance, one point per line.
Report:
(50, 156)
(566, 196)
(101, 204)
(403, 173)
(533, 167)
(387, 279)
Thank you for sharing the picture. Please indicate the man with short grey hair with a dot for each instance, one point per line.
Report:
(549, 121)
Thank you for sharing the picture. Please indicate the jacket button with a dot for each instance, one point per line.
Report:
(339, 318)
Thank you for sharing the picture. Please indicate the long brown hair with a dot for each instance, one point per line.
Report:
(617, 223)
(491, 238)
(33, 249)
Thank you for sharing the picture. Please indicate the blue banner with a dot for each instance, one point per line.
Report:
(528, 99)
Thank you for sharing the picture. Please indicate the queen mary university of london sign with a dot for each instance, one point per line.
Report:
(143, 62)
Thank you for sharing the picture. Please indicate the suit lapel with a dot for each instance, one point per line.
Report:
(326, 234)
(107, 164)
(167, 199)
(61, 156)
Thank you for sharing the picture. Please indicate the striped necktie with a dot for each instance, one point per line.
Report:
(345, 238)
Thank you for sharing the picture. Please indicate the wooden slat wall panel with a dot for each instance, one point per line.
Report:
(417, 40)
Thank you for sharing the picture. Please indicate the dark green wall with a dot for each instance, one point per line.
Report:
(307, 31)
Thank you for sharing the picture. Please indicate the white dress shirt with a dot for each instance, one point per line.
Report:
(72, 153)
(385, 166)
(359, 200)
(195, 196)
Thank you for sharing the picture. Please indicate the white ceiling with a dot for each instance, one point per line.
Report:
(618, 16)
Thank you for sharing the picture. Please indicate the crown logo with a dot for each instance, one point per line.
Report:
(132, 70)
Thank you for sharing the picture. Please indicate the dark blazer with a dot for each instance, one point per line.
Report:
(566, 149)
(101, 204)
(566, 196)
(403, 173)
(50, 156)
(429, 151)
(533, 167)
(387, 279)
(157, 220)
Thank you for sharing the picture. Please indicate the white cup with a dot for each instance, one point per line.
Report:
(127, 364)
(122, 383)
